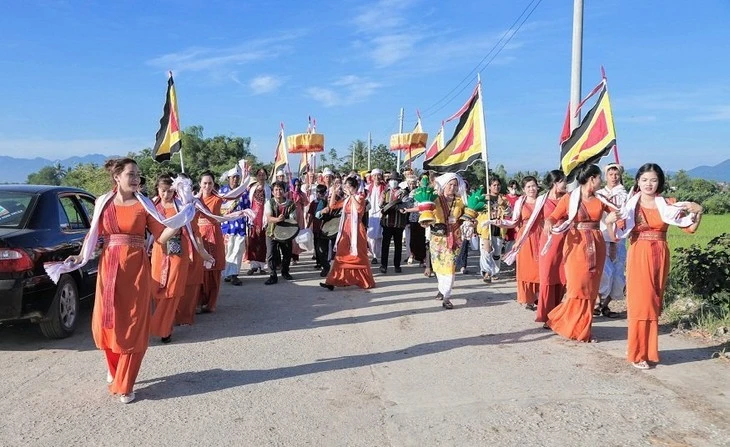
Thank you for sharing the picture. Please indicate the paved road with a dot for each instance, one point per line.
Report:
(294, 364)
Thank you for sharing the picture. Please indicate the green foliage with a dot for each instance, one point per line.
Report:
(89, 176)
(48, 175)
(704, 271)
(380, 157)
(705, 192)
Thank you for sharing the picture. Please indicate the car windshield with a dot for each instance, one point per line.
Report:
(13, 206)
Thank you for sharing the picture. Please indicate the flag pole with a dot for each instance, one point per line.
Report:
(182, 163)
(576, 64)
(400, 130)
(370, 144)
(484, 150)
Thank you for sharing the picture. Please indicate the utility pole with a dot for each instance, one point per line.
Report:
(370, 146)
(400, 130)
(576, 67)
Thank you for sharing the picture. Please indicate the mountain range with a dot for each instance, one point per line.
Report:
(16, 170)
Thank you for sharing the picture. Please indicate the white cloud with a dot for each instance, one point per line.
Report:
(60, 149)
(264, 84)
(718, 113)
(345, 90)
(216, 59)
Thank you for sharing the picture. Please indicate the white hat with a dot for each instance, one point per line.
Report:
(376, 171)
(279, 172)
(327, 171)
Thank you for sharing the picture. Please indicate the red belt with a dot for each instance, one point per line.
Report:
(651, 236)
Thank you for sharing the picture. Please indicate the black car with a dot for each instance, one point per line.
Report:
(42, 224)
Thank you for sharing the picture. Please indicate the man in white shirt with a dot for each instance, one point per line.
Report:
(376, 188)
(613, 280)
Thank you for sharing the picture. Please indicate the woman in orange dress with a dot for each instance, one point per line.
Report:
(170, 264)
(121, 318)
(528, 274)
(583, 252)
(351, 266)
(648, 216)
(552, 274)
(213, 243)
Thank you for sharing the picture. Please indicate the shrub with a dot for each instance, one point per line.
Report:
(704, 271)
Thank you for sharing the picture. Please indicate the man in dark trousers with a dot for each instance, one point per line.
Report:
(314, 221)
(393, 222)
(276, 210)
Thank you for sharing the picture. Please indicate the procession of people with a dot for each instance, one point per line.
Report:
(165, 260)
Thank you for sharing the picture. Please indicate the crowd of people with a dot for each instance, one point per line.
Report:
(164, 260)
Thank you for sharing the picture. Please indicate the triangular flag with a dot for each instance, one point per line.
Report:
(593, 139)
(167, 139)
(465, 146)
(280, 157)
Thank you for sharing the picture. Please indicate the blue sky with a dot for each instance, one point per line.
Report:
(83, 77)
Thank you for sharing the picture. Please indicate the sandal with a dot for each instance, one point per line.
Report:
(439, 296)
(530, 307)
(641, 365)
(251, 271)
(447, 305)
(608, 313)
(597, 311)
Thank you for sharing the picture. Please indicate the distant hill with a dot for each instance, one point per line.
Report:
(16, 170)
(720, 172)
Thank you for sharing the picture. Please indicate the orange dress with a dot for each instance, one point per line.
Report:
(552, 273)
(120, 322)
(185, 313)
(647, 267)
(528, 274)
(347, 269)
(584, 252)
(169, 274)
(213, 241)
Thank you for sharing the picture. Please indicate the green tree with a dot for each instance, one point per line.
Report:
(48, 175)
(89, 176)
(382, 157)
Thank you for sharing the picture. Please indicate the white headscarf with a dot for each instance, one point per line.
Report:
(444, 179)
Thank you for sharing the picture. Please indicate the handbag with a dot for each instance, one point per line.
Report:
(174, 246)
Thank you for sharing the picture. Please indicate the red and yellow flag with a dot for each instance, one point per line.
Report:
(466, 145)
(306, 164)
(167, 139)
(593, 139)
(280, 158)
(436, 144)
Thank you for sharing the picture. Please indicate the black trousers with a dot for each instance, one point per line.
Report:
(278, 253)
(397, 235)
(463, 257)
(321, 251)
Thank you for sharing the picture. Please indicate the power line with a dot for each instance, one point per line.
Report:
(464, 83)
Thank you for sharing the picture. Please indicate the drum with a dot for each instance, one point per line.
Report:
(286, 230)
(331, 225)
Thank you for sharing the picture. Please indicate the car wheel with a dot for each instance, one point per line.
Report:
(62, 317)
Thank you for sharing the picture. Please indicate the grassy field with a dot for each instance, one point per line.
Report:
(710, 227)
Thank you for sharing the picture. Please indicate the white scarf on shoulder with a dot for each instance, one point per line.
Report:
(352, 203)
(510, 257)
(670, 214)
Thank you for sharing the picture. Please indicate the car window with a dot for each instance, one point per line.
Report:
(13, 206)
(70, 216)
(88, 204)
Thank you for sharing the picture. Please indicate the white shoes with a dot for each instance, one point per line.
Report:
(126, 398)
(109, 377)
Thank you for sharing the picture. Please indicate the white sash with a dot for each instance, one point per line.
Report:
(670, 214)
(353, 224)
(510, 257)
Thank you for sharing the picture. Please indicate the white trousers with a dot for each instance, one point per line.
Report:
(235, 248)
(613, 279)
(446, 284)
(374, 236)
(487, 263)
(407, 235)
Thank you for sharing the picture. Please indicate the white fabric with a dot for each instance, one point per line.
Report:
(618, 197)
(573, 204)
(670, 214)
(487, 263)
(182, 218)
(511, 256)
(267, 196)
(305, 239)
(444, 179)
(235, 248)
(374, 197)
(350, 201)
(613, 279)
(445, 284)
